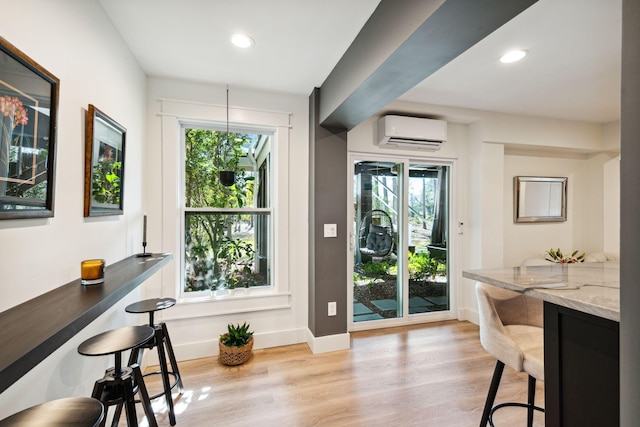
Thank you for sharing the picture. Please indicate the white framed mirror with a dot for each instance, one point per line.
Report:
(539, 199)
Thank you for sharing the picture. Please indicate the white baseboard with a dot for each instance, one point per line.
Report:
(469, 315)
(209, 348)
(328, 343)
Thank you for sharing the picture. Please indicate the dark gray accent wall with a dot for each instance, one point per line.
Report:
(630, 217)
(328, 205)
(389, 57)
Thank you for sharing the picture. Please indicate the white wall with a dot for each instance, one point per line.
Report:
(196, 326)
(583, 229)
(75, 41)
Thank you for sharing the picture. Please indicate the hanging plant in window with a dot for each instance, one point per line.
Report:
(227, 176)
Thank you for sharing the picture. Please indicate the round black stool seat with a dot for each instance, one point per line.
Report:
(70, 411)
(116, 340)
(118, 385)
(150, 306)
(162, 342)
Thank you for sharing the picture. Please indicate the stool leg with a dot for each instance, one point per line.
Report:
(531, 400)
(117, 414)
(491, 395)
(130, 405)
(136, 356)
(165, 376)
(172, 357)
(144, 395)
(98, 388)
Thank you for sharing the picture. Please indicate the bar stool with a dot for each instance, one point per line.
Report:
(162, 341)
(511, 330)
(69, 412)
(118, 386)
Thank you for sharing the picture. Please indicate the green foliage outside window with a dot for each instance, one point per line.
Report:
(213, 259)
(207, 153)
(423, 267)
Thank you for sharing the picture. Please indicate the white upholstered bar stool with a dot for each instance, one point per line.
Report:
(511, 331)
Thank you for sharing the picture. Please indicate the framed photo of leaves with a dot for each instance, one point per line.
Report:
(28, 117)
(104, 165)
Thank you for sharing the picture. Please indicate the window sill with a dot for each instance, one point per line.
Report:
(189, 307)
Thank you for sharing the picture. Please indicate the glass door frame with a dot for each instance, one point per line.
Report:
(403, 238)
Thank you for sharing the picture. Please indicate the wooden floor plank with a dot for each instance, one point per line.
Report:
(422, 375)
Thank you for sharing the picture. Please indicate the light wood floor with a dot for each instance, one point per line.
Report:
(424, 375)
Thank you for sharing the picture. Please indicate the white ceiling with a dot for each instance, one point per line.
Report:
(572, 70)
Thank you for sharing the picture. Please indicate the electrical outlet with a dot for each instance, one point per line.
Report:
(331, 308)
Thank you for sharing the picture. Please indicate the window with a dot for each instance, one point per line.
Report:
(263, 220)
(227, 225)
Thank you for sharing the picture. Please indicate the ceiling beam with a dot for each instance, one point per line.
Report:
(403, 43)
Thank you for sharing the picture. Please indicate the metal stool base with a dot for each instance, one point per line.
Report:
(516, 404)
(119, 390)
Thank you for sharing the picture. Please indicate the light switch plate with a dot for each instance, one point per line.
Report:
(331, 230)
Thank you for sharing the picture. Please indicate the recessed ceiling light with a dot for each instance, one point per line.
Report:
(513, 56)
(241, 40)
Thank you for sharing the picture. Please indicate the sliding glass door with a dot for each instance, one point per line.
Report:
(428, 230)
(400, 241)
(377, 291)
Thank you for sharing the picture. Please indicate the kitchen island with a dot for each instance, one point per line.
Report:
(581, 336)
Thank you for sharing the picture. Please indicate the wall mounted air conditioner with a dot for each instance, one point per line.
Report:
(411, 132)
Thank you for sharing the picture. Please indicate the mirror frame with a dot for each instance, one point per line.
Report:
(519, 215)
(98, 125)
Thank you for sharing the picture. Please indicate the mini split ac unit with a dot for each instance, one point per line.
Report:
(411, 132)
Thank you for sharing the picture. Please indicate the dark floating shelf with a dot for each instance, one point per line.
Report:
(36, 328)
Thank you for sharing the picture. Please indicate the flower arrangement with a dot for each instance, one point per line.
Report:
(12, 113)
(558, 257)
(12, 107)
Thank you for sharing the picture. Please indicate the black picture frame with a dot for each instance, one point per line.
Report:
(105, 141)
(28, 122)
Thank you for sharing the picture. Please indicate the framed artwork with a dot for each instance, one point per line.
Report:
(103, 165)
(28, 116)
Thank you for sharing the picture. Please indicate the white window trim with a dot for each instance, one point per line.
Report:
(174, 114)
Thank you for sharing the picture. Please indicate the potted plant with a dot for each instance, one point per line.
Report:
(228, 159)
(235, 345)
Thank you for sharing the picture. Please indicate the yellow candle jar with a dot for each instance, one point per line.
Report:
(92, 271)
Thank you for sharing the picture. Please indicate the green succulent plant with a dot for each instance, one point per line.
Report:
(236, 335)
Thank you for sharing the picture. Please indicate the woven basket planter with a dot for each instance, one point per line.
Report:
(232, 356)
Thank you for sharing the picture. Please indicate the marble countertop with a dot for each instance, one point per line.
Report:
(592, 287)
